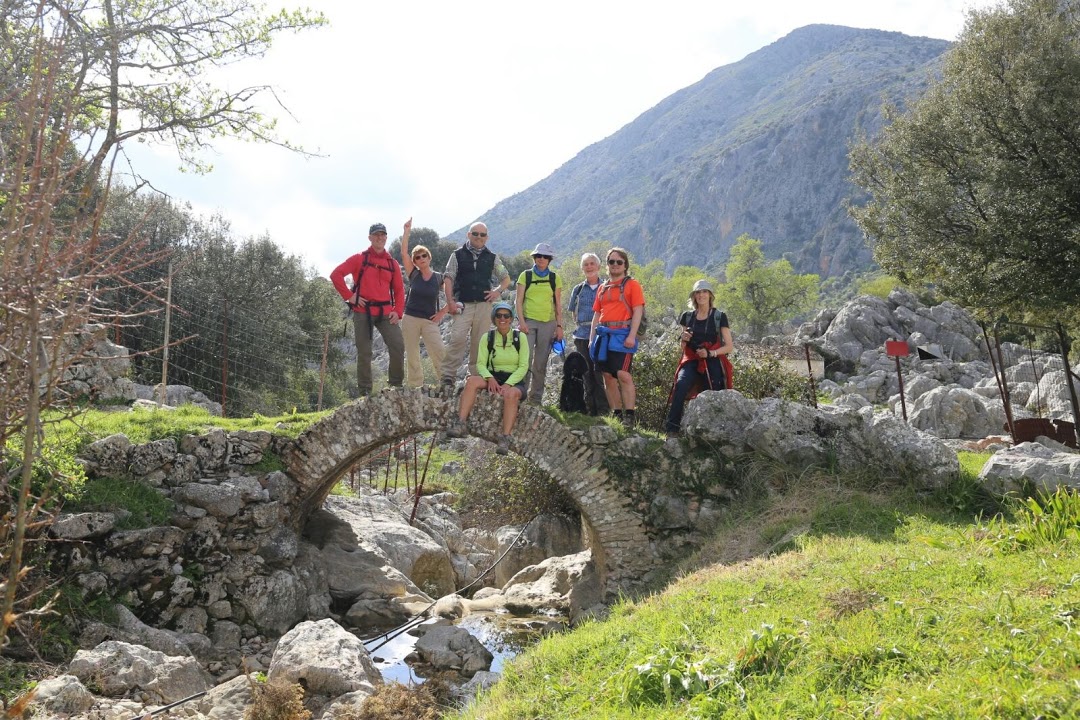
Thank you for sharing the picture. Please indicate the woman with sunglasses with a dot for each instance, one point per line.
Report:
(617, 313)
(502, 363)
(422, 311)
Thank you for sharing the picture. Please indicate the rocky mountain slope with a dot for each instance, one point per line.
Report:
(759, 146)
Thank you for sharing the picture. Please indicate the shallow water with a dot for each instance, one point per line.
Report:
(504, 635)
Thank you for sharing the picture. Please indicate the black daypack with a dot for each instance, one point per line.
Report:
(572, 392)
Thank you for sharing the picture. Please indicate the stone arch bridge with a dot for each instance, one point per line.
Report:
(616, 534)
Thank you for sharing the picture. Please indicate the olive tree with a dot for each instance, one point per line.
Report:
(758, 293)
(974, 187)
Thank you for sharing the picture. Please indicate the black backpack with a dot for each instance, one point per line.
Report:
(572, 393)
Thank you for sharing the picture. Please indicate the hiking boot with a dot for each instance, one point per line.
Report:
(446, 387)
(503, 447)
(456, 429)
(629, 419)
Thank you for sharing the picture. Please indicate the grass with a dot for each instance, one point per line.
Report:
(143, 425)
(882, 604)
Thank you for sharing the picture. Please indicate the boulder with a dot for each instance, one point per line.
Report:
(382, 527)
(547, 536)
(953, 412)
(117, 668)
(567, 584)
(325, 658)
(82, 526)
(453, 648)
(274, 602)
(63, 696)
(1047, 469)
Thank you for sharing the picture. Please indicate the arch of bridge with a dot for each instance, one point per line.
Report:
(318, 458)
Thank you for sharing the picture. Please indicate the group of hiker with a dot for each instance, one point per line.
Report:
(512, 362)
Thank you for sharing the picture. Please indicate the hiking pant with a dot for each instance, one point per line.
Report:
(541, 336)
(688, 377)
(466, 333)
(595, 396)
(364, 326)
(413, 330)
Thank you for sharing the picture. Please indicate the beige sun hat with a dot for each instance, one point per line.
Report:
(701, 285)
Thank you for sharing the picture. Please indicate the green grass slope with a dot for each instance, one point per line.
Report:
(883, 605)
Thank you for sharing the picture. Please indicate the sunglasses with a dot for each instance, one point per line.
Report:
(478, 234)
(616, 261)
(421, 256)
(542, 257)
(503, 316)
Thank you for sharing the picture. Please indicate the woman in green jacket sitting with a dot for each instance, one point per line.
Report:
(502, 364)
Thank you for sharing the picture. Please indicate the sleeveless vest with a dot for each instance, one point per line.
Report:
(473, 279)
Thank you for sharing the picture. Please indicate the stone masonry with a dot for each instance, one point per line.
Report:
(617, 535)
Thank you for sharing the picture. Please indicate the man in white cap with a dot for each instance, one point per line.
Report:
(539, 303)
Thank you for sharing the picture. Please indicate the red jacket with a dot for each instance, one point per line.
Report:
(691, 356)
(380, 280)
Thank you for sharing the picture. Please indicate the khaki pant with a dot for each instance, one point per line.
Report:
(541, 336)
(363, 324)
(413, 330)
(466, 333)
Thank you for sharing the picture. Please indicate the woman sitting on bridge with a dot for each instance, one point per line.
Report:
(502, 364)
(706, 341)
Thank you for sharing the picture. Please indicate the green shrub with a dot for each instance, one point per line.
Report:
(654, 376)
(510, 490)
(759, 375)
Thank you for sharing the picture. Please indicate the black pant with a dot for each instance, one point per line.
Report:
(595, 397)
(688, 377)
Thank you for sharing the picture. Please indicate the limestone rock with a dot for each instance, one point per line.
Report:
(453, 648)
(325, 658)
(567, 584)
(1046, 468)
(117, 668)
(382, 527)
(83, 526)
(63, 695)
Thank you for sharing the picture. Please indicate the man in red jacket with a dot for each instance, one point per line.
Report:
(376, 299)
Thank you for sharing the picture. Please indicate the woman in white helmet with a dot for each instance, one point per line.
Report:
(502, 363)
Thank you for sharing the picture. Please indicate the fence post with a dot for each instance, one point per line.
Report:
(897, 349)
(1004, 385)
(810, 374)
(322, 368)
(224, 357)
(1066, 345)
(999, 377)
(165, 349)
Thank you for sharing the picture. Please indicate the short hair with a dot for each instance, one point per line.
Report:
(625, 256)
(589, 256)
(419, 249)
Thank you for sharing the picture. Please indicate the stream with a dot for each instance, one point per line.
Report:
(503, 634)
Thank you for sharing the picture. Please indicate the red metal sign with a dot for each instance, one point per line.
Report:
(897, 348)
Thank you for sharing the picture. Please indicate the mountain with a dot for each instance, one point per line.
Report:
(759, 146)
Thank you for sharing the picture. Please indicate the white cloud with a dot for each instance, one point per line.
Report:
(439, 110)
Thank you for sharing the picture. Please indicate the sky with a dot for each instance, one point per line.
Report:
(438, 110)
